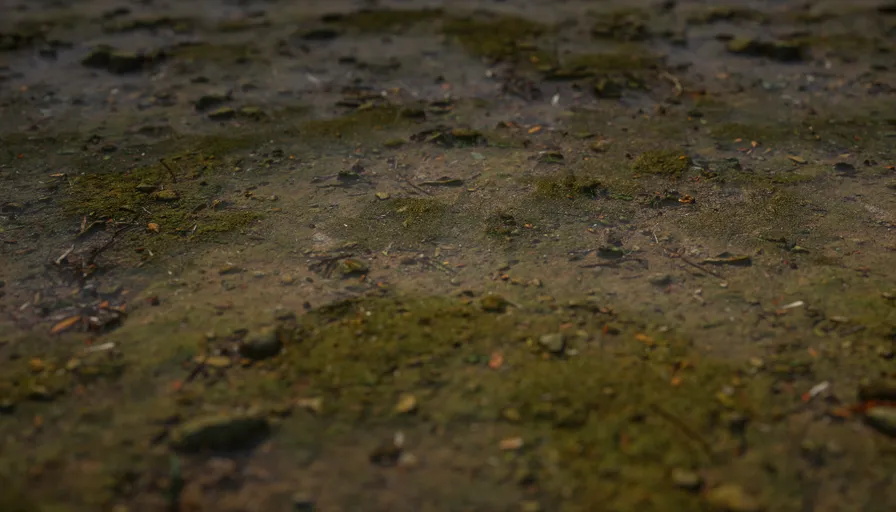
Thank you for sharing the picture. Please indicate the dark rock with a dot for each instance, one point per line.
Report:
(208, 101)
(783, 51)
(319, 34)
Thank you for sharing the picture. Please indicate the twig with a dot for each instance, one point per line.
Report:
(170, 170)
(675, 82)
(60, 259)
(700, 267)
(412, 185)
(685, 429)
(99, 250)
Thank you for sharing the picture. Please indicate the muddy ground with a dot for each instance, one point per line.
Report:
(476, 255)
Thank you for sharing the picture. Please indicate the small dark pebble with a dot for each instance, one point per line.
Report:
(120, 62)
(263, 344)
(387, 454)
(319, 34)
(7, 407)
(208, 101)
(302, 502)
(844, 169)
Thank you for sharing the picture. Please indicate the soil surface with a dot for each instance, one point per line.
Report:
(476, 255)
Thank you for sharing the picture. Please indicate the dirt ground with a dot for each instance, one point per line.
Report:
(477, 255)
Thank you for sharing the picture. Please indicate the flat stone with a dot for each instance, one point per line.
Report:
(554, 343)
(686, 479)
(220, 432)
(883, 419)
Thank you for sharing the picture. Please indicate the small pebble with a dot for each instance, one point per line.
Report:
(686, 479)
(731, 498)
(407, 404)
(554, 343)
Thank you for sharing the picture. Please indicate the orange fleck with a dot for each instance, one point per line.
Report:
(645, 339)
(65, 325)
(841, 412)
(676, 381)
(496, 360)
(534, 129)
(152, 227)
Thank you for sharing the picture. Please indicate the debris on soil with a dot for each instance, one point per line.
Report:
(484, 225)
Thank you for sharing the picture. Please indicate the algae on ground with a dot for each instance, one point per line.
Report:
(667, 162)
(357, 123)
(384, 20)
(495, 37)
(568, 186)
(223, 54)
